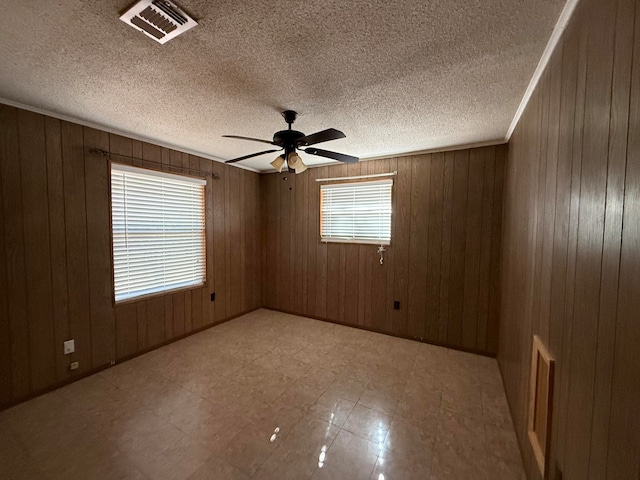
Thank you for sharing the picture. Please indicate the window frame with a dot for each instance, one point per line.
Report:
(347, 181)
(158, 172)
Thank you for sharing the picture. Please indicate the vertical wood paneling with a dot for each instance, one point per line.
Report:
(418, 245)
(346, 283)
(484, 272)
(401, 241)
(77, 247)
(493, 322)
(177, 301)
(458, 245)
(576, 134)
(609, 293)
(390, 260)
(31, 135)
(539, 144)
(267, 191)
(551, 189)
(126, 315)
(561, 230)
(303, 288)
(58, 250)
(333, 286)
(188, 312)
(313, 236)
(136, 148)
(321, 263)
(126, 329)
(367, 264)
(219, 243)
(379, 300)
(624, 432)
(175, 158)
(228, 225)
(5, 338)
(234, 241)
(155, 321)
(99, 254)
(590, 237)
(434, 250)
(245, 219)
(168, 317)
(208, 307)
(5, 325)
(573, 161)
(55, 252)
(196, 309)
(14, 251)
(283, 266)
(298, 246)
(342, 283)
(447, 222)
(141, 317)
(475, 199)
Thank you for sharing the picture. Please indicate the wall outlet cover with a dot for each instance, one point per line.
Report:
(74, 365)
(69, 347)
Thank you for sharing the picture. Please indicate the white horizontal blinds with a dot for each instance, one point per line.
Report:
(158, 231)
(356, 212)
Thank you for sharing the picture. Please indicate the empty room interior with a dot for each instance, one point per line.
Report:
(320, 240)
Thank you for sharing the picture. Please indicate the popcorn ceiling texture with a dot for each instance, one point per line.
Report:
(396, 77)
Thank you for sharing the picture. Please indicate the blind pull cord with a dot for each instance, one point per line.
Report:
(381, 251)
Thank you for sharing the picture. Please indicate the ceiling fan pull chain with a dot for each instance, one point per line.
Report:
(381, 251)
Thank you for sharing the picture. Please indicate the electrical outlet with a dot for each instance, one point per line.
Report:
(213, 297)
(69, 347)
(396, 305)
(74, 365)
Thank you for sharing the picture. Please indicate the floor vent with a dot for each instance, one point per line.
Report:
(161, 20)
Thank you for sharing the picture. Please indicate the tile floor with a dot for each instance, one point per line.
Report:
(272, 396)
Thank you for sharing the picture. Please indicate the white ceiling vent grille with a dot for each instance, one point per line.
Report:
(161, 20)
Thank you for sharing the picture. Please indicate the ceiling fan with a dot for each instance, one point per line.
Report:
(292, 140)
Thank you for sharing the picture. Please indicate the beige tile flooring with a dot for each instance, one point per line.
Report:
(272, 396)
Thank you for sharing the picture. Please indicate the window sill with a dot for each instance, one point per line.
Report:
(163, 293)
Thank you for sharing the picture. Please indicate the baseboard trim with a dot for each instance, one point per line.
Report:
(384, 332)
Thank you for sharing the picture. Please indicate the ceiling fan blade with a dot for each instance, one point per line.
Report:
(341, 157)
(318, 137)
(249, 138)
(234, 160)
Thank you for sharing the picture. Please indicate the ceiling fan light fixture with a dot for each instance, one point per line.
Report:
(278, 163)
(295, 162)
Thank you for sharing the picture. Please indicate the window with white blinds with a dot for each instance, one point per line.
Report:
(356, 212)
(158, 231)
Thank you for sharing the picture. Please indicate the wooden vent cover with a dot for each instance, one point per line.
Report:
(540, 403)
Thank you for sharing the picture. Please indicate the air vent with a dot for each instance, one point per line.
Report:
(161, 20)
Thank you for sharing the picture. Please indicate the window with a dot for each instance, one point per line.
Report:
(356, 212)
(158, 231)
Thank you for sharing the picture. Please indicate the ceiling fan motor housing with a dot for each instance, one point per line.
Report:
(287, 139)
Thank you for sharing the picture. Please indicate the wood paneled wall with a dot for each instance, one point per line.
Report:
(442, 265)
(55, 252)
(571, 246)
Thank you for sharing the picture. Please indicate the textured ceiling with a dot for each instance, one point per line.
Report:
(395, 77)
